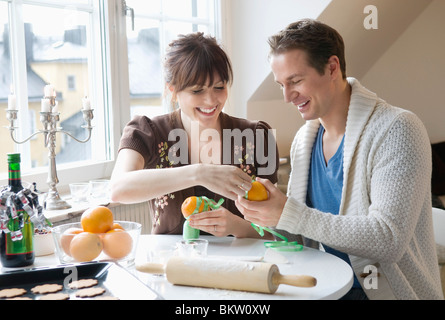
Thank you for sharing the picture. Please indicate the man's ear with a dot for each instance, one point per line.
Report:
(334, 66)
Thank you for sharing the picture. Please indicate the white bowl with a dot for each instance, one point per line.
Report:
(43, 244)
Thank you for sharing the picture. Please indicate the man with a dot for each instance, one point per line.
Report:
(361, 171)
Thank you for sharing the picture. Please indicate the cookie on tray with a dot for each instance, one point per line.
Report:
(55, 296)
(90, 292)
(12, 292)
(47, 288)
(83, 283)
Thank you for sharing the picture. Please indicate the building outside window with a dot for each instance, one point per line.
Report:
(71, 82)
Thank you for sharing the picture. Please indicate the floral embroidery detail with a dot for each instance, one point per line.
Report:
(164, 162)
(243, 155)
(156, 220)
(162, 201)
(246, 161)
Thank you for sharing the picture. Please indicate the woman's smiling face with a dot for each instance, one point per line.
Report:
(203, 103)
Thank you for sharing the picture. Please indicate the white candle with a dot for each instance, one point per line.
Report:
(56, 107)
(46, 105)
(49, 91)
(12, 102)
(86, 103)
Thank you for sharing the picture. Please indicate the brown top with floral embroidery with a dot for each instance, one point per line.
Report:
(150, 137)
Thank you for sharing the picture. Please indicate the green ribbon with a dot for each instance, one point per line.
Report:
(191, 233)
(207, 203)
(284, 245)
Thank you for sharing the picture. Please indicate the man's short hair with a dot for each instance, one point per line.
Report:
(318, 40)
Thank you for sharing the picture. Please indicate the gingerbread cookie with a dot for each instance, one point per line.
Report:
(83, 283)
(55, 296)
(90, 292)
(47, 288)
(19, 298)
(11, 293)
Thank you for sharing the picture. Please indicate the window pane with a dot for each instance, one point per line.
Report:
(57, 54)
(203, 9)
(144, 63)
(156, 25)
(6, 85)
(186, 8)
(175, 28)
(152, 7)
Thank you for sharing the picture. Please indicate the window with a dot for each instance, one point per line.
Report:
(155, 25)
(71, 82)
(35, 53)
(80, 52)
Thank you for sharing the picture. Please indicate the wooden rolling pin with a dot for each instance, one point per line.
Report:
(223, 274)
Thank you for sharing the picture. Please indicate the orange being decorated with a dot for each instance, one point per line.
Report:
(190, 204)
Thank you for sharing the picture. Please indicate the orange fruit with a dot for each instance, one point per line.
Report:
(97, 220)
(85, 246)
(117, 243)
(258, 192)
(189, 206)
(117, 226)
(66, 237)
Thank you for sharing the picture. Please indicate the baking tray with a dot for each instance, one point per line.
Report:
(117, 281)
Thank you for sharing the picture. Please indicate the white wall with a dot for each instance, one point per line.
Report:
(404, 59)
(249, 23)
(281, 116)
(411, 73)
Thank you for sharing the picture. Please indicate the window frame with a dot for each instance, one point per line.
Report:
(110, 16)
(82, 170)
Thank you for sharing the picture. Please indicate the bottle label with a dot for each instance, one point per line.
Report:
(14, 171)
(25, 244)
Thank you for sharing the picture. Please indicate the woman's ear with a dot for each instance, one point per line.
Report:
(172, 92)
(170, 95)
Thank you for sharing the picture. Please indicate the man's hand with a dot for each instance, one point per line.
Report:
(265, 213)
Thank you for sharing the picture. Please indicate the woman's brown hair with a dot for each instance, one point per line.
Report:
(192, 59)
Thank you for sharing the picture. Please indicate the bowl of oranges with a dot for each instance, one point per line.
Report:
(97, 237)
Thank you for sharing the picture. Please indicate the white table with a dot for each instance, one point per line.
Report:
(334, 276)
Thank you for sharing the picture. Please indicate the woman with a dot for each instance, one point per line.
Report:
(168, 158)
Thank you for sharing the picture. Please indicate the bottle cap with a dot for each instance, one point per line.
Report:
(13, 157)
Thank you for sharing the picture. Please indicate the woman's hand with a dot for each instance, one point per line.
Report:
(221, 223)
(228, 181)
(265, 213)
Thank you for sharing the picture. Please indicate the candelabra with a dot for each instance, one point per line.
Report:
(49, 116)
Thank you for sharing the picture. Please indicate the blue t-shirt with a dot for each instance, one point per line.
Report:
(325, 185)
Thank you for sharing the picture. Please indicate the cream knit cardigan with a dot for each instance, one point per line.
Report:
(385, 215)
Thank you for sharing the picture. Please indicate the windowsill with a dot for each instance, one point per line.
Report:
(66, 173)
(75, 211)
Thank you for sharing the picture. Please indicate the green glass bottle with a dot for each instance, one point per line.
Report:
(16, 241)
